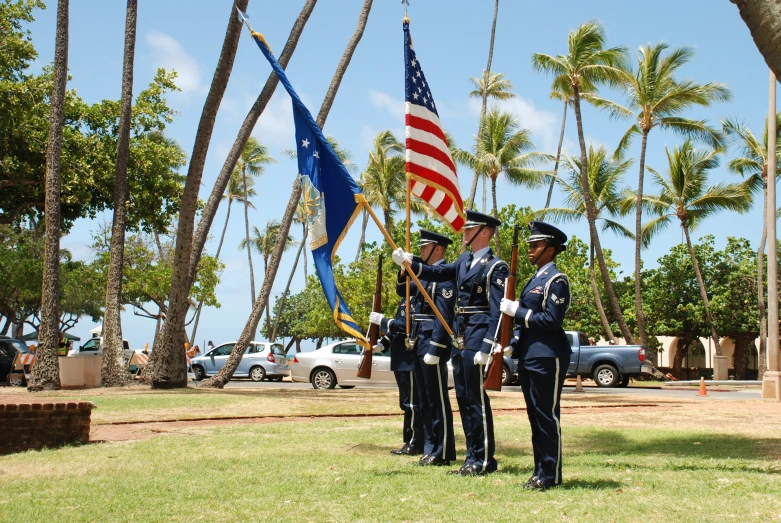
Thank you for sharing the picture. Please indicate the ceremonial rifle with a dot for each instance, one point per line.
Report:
(365, 367)
(493, 378)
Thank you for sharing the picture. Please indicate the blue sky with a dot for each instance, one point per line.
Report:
(451, 39)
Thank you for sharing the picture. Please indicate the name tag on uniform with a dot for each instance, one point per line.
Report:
(536, 290)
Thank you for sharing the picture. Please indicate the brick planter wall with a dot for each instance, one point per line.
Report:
(33, 426)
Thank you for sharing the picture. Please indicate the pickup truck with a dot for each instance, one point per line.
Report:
(607, 365)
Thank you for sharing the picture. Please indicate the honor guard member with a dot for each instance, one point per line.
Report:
(403, 367)
(433, 346)
(479, 277)
(543, 350)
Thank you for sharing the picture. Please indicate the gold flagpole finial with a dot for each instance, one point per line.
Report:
(245, 20)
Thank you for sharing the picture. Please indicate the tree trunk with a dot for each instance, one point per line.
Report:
(319, 343)
(388, 220)
(558, 157)
(484, 195)
(364, 224)
(638, 244)
(762, 355)
(8, 322)
(170, 367)
(249, 245)
(743, 344)
(265, 271)
(287, 288)
(703, 293)
(213, 203)
(298, 345)
(598, 299)
(230, 366)
(496, 215)
(763, 18)
(615, 309)
(112, 368)
(217, 257)
(46, 371)
(486, 75)
(680, 353)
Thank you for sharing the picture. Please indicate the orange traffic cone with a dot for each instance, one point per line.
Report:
(702, 392)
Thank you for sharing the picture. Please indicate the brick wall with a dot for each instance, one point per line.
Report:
(26, 426)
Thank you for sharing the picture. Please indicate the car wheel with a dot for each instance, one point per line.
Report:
(346, 386)
(606, 376)
(507, 377)
(199, 372)
(16, 382)
(624, 382)
(323, 379)
(257, 374)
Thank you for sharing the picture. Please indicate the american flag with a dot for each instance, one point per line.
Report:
(430, 167)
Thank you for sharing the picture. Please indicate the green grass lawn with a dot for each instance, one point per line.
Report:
(341, 470)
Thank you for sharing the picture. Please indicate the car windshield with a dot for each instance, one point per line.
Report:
(15, 344)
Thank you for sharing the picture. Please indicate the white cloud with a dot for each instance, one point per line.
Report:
(385, 101)
(544, 125)
(275, 128)
(170, 54)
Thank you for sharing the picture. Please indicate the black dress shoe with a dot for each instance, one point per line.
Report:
(412, 451)
(528, 484)
(538, 484)
(477, 470)
(436, 461)
(401, 451)
(424, 459)
(457, 472)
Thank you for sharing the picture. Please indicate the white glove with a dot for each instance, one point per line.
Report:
(430, 359)
(378, 348)
(508, 351)
(482, 358)
(375, 318)
(509, 307)
(400, 257)
(496, 349)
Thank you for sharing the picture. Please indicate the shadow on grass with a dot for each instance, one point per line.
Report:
(598, 484)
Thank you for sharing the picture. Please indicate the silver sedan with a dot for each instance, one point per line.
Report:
(337, 364)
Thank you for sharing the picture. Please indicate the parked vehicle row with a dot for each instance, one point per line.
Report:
(261, 361)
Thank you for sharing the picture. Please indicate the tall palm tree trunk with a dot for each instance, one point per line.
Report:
(364, 224)
(703, 293)
(168, 364)
(638, 244)
(615, 309)
(496, 215)
(486, 73)
(485, 184)
(598, 299)
(46, 371)
(388, 220)
(112, 369)
(213, 203)
(217, 257)
(249, 245)
(558, 156)
(762, 356)
(232, 364)
(287, 288)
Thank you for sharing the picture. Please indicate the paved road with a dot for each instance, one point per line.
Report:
(737, 394)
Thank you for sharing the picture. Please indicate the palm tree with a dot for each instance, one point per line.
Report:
(384, 181)
(752, 165)
(685, 194)
(503, 147)
(656, 99)
(234, 193)
(263, 242)
(254, 157)
(763, 18)
(112, 370)
(46, 371)
(484, 95)
(605, 176)
(586, 65)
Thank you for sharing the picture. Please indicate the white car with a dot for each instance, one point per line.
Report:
(94, 347)
(337, 364)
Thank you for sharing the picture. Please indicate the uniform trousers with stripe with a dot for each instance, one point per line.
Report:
(475, 407)
(411, 402)
(440, 441)
(542, 380)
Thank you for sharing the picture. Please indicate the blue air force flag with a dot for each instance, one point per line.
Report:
(334, 197)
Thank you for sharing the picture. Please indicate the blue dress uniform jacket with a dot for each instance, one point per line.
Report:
(480, 288)
(395, 330)
(544, 352)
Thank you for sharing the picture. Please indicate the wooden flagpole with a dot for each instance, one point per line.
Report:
(409, 249)
(408, 267)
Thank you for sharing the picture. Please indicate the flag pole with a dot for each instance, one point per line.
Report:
(409, 249)
(407, 266)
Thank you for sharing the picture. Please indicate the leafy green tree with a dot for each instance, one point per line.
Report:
(687, 195)
(605, 180)
(383, 181)
(587, 65)
(656, 99)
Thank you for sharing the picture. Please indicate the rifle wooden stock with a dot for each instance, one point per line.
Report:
(365, 368)
(493, 378)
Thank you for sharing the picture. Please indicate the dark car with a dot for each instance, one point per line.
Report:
(9, 348)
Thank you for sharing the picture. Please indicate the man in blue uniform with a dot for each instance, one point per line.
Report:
(479, 277)
(543, 350)
(433, 346)
(403, 367)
